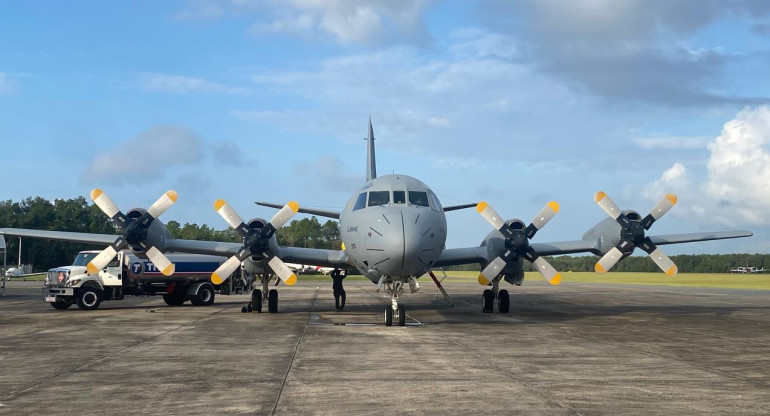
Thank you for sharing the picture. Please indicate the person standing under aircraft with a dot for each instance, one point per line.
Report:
(339, 291)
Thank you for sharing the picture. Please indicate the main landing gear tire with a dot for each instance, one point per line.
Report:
(401, 315)
(388, 316)
(88, 298)
(272, 301)
(174, 299)
(204, 297)
(488, 301)
(61, 304)
(256, 301)
(505, 301)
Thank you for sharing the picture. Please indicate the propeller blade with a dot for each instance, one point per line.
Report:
(665, 263)
(162, 204)
(608, 260)
(224, 270)
(108, 207)
(102, 259)
(160, 261)
(493, 269)
(549, 210)
(283, 271)
(490, 215)
(551, 275)
(284, 215)
(607, 205)
(660, 209)
(233, 219)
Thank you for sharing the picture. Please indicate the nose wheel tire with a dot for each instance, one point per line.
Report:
(256, 301)
(505, 301)
(487, 301)
(388, 316)
(272, 301)
(401, 315)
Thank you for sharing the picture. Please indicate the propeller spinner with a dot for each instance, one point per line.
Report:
(517, 243)
(256, 242)
(632, 234)
(134, 232)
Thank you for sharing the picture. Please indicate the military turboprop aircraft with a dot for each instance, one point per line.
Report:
(393, 231)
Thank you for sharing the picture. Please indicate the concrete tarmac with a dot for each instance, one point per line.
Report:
(575, 349)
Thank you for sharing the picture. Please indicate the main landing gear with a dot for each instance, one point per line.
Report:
(396, 312)
(259, 296)
(489, 297)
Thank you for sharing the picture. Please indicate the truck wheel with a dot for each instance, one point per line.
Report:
(174, 299)
(88, 298)
(61, 304)
(204, 297)
(272, 301)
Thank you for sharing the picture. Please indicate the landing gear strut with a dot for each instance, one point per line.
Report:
(490, 295)
(259, 296)
(396, 311)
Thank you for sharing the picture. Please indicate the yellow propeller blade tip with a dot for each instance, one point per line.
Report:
(554, 206)
(483, 280)
(215, 279)
(169, 270)
(671, 270)
(481, 206)
(291, 280)
(92, 269)
(172, 195)
(293, 205)
(599, 196)
(96, 193)
(672, 198)
(556, 279)
(599, 269)
(218, 204)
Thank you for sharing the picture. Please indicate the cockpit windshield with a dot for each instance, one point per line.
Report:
(377, 198)
(418, 198)
(82, 259)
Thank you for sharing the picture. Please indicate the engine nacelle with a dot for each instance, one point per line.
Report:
(256, 223)
(494, 242)
(606, 234)
(155, 235)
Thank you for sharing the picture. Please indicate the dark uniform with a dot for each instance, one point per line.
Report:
(339, 291)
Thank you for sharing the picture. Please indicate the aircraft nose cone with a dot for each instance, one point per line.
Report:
(403, 244)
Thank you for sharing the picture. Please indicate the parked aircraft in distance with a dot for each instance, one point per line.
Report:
(393, 231)
(748, 269)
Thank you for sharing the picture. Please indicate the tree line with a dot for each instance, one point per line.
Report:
(79, 215)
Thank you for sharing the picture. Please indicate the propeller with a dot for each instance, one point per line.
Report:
(256, 242)
(632, 234)
(134, 232)
(517, 243)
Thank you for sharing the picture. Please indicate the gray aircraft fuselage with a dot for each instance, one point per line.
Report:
(393, 227)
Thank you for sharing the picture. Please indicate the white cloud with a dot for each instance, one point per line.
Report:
(181, 84)
(737, 190)
(672, 142)
(329, 172)
(145, 157)
(438, 122)
(7, 84)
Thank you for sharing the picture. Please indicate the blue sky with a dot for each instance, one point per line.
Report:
(512, 102)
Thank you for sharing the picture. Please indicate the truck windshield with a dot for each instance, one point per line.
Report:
(82, 259)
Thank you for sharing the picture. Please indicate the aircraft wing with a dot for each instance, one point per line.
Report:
(216, 248)
(315, 256)
(689, 238)
(311, 211)
(466, 255)
(565, 247)
(456, 207)
(100, 239)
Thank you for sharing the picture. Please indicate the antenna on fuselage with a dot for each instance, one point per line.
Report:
(371, 166)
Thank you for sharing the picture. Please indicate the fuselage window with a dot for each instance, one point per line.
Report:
(377, 198)
(418, 198)
(360, 202)
(399, 197)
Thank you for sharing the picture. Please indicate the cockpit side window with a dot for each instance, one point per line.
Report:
(418, 198)
(435, 201)
(399, 197)
(377, 198)
(360, 202)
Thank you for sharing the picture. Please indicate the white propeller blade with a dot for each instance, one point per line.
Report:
(607, 205)
(284, 214)
(228, 213)
(101, 260)
(662, 207)
(160, 261)
(608, 260)
(490, 215)
(665, 263)
(492, 270)
(551, 275)
(224, 271)
(549, 210)
(283, 271)
(104, 203)
(162, 204)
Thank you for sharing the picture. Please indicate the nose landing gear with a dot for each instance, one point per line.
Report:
(395, 289)
(489, 297)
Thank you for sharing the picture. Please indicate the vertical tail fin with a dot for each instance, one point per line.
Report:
(371, 166)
